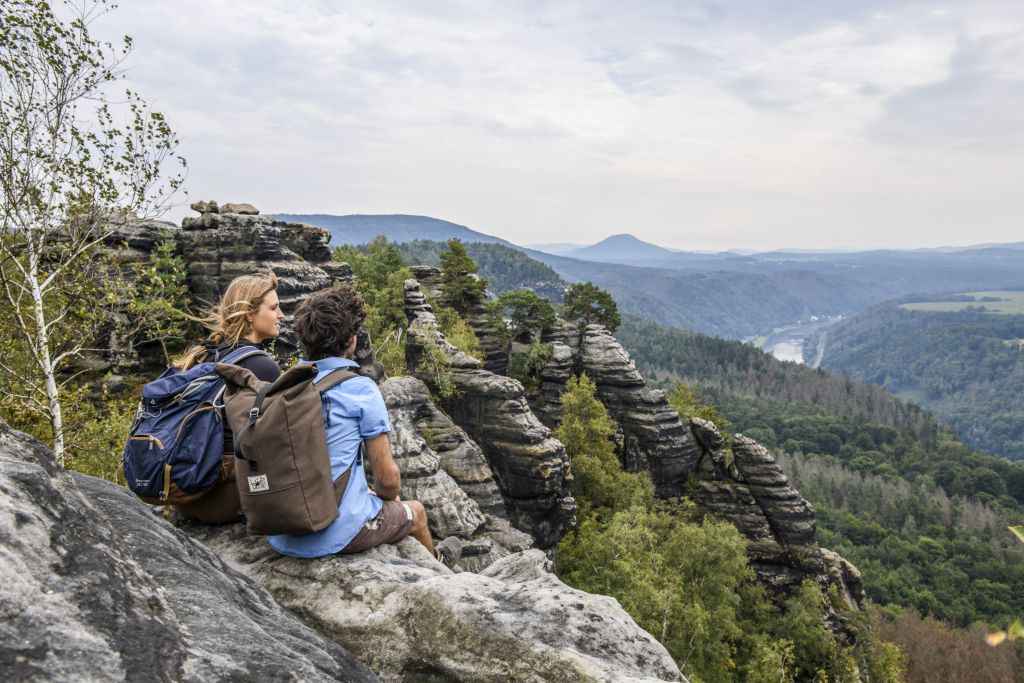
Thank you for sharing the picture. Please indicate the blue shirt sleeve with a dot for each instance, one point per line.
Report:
(367, 405)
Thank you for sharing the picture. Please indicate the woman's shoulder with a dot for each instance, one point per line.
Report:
(262, 364)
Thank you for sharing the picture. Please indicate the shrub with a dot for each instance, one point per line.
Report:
(521, 315)
(526, 366)
(457, 331)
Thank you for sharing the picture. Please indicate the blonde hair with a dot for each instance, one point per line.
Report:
(227, 320)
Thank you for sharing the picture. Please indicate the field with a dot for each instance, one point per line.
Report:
(1009, 303)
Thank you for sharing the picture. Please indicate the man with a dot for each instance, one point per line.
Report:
(354, 414)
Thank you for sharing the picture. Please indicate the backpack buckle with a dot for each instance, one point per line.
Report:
(254, 412)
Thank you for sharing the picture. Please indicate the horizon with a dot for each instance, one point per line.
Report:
(536, 245)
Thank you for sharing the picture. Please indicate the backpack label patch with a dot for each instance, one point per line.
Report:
(258, 484)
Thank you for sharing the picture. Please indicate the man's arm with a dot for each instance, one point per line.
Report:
(387, 479)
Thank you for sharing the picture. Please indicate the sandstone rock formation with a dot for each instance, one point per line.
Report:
(409, 618)
(229, 240)
(749, 489)
(446, 471)
(495, 351)
(530, 465)
(744, 486)
(96, 587)
(653, 437)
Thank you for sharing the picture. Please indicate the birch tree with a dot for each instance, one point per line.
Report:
(74, 157)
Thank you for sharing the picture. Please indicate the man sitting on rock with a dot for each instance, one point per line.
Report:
(354, 414)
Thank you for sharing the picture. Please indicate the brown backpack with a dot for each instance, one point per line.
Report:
(282, 465)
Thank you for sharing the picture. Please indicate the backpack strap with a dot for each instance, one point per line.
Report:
(333, 379)
(241, 353)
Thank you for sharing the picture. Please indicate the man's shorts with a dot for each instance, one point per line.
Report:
(391, 525)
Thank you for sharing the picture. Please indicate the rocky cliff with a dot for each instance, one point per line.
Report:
(743, 484)
(96, 587)
(494, 480)
(530, 466)
(229, 240)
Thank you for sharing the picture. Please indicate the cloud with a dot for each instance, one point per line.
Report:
(752, 124)
(978, 104)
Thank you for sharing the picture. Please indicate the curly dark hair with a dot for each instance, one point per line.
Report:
(326, 321)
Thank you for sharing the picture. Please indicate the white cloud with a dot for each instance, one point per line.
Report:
(770, 124)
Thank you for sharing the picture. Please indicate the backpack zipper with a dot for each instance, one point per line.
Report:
(148, 437)
(188, 417)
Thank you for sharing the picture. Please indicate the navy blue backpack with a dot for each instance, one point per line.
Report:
(178, 434)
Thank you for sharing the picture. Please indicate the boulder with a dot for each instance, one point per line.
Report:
(243, 209)
(205, 207)
(408, 617)
(97, 587)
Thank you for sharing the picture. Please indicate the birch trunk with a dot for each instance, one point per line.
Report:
(43, 355)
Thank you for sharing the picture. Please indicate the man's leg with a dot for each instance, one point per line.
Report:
(396, 520)
(420, 531)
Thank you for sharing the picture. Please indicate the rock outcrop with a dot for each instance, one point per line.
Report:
(96, 587)
(653, 437)
(531, 467)
(229, 240)
(748, 488)
(218, 246)
(447, 472)
(743, 485)
(493, 347)
(410, 618)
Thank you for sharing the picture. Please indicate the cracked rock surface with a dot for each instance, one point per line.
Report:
(96, 587)
(408, 617)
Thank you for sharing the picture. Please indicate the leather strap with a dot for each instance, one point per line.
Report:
(334, 378)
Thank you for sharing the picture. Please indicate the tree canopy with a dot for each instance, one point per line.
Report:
(588, 303)
(462, 287)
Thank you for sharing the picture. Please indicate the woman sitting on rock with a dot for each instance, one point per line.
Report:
(249, 314)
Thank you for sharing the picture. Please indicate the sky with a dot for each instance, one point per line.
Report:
(705, 125)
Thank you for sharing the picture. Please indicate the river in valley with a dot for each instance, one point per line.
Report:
(787, 342)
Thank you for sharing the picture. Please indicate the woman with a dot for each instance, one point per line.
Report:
(249, 314)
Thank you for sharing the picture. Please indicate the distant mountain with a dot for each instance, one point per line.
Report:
(726, 294)
(622, 248)
(556, 248)
(360, 228)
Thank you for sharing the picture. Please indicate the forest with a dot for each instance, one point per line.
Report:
(505, 268)
(966, 366)
(923, 515)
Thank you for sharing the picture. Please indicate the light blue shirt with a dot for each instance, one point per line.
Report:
(353, 411)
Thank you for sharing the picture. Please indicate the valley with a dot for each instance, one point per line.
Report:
(790, 342)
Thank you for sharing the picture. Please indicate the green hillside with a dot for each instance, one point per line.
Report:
(962, 359)
(922, 515)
